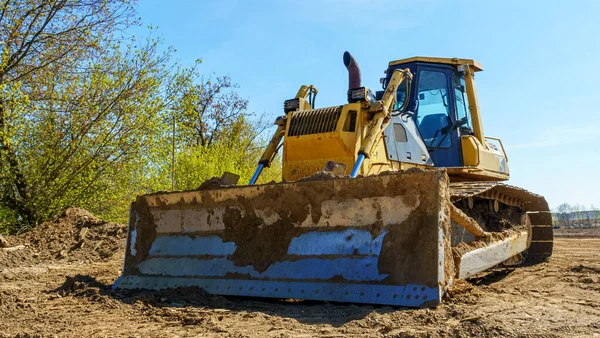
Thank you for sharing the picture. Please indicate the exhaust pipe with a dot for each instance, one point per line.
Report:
(354, 79)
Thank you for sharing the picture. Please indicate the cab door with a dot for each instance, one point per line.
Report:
(435, 114)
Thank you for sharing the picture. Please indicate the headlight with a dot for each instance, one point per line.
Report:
(291, 105)
(360, 94)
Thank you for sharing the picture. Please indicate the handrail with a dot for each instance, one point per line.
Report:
(501, 145)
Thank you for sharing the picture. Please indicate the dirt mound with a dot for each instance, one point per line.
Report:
(319, 176)
(463, 292)
(211, 183)
(330, 174)
(226, 180)
(75, 235)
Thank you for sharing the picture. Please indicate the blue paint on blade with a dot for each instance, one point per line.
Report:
(415, 295)
(352, 269)
(411, 295)
(347, 242)
(185, 245)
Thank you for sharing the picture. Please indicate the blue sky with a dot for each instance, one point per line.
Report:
(537, 91)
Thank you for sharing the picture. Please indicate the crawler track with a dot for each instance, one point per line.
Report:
(534, 205)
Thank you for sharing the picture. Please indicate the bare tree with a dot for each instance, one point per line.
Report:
(563, 214)
(209, 110)
(579, 214)
(596, 215)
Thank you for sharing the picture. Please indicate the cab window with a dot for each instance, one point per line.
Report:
(462, 111)
(433, 109)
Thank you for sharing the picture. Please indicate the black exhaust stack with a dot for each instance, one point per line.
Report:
(354, 79)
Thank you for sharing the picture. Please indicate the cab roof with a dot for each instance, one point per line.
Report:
(448, 61)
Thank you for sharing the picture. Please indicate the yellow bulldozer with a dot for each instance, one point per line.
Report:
(386, 199)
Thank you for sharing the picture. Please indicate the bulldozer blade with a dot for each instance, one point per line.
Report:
(378, 239)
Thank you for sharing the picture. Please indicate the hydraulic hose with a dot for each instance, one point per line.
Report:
(357, 165)
(256, 174)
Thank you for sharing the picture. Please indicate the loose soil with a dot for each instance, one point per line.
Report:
(579, 232)
(75, 236)
(44, 293)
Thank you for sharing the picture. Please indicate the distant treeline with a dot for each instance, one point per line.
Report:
(576, 216)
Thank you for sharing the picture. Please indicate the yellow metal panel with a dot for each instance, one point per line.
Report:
(378, 162)
(305, 155)
(296, 170)
(458, 174)
(492, 161)
(349, 138)
(307, 147)
(470, 150)
(486, 162)
(449, 61)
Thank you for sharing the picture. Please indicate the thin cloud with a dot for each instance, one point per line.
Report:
(562, 135)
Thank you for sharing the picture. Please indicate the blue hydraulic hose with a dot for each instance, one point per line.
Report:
(256, 174)
(357, 165)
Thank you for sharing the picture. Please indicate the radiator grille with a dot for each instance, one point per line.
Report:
(314, 121)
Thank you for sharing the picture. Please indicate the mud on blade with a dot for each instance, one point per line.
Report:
(378, 239)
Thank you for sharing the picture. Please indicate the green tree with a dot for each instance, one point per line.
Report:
(239, 153)
(214, 133)
(86, 114)
(78, 104)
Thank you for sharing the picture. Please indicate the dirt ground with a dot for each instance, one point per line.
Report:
(577, 233)
(59, 285)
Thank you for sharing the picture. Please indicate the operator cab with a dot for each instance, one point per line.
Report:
(438, 104)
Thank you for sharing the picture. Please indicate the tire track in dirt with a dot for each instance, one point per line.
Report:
(73, 298)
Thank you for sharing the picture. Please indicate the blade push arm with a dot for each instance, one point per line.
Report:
(306, 100)
(305, 91)
(271, 149)
(383, 112)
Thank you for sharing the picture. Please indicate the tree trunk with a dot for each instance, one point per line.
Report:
(17, 195)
